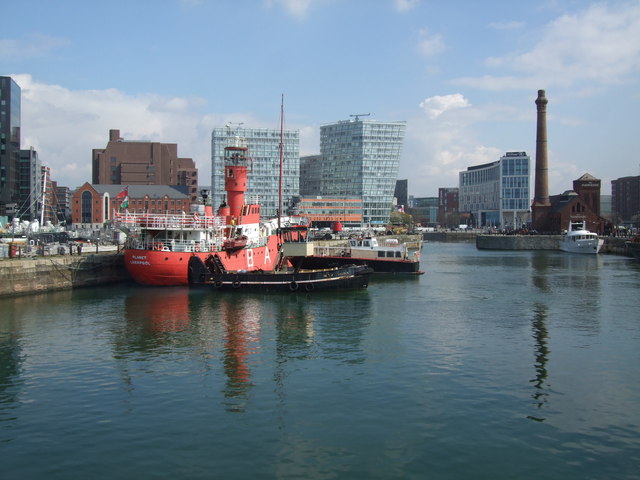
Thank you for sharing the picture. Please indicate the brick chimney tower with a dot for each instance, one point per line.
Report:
(541, 203)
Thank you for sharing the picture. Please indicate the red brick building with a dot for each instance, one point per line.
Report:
(95, 204)
(581, 203)
(448, 206)
(625, 199)
(125, 162)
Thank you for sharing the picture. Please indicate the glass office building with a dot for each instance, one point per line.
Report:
(498, 194)
(361, 158)
(10, 94)
(264, 175)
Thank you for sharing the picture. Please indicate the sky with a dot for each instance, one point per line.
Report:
(464, 75)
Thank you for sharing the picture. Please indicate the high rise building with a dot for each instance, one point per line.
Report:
(264, 175)
(448, 206)
(361, 158)
(29, 181)
(126, 162)
(63, 203)
(310, 175)
(401, 193)
(625, 199)
(9, 144)
(497, 193)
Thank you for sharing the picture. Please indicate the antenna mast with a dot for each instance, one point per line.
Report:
(44, 191)
(358, 115)
(281, 160)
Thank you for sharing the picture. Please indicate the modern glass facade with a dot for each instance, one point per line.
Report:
(9, 141)
(264, 175)
(498, 193)
(361, 158)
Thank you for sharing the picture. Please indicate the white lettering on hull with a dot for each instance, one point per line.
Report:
(139, 260)
(249, 258)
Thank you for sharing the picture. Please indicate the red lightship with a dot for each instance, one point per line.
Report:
(159, 246)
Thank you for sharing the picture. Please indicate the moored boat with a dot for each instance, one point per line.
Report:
(580, 240)
(289, 274)
(292, 280)
(391, 257)
(159, 246)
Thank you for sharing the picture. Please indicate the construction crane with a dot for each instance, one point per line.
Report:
(358, 115)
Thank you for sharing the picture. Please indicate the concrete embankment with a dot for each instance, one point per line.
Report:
(612, 245)
(449, 236)
(518, 242)
(24, 276)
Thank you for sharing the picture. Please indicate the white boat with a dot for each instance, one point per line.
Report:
(580, 240)
(392, 257)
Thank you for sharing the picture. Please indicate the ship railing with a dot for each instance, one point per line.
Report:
(168, 221)
(173, 245)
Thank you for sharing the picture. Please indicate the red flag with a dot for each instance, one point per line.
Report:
(123, 193)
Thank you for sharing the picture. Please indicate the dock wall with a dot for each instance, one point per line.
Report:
(518, 242)
(24, 276)
(612, 245)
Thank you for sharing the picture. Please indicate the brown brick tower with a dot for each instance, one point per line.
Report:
(541, 203)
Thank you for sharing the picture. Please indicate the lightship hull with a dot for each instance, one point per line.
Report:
(167, 268)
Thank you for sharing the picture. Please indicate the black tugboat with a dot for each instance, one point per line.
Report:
(289, 274)
(338, 278)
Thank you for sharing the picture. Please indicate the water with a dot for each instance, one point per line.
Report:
(492, 365)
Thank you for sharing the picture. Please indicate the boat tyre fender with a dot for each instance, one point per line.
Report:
(293, 286)
(217, 284)
(309, 287)
(236, 284)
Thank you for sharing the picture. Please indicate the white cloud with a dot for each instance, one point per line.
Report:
(430, 45)
(438, 146)
(437, 105)
(436, 151)
(598, 45)
(65, 125)
(405, 5)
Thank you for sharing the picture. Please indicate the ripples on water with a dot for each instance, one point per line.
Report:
(491, 365)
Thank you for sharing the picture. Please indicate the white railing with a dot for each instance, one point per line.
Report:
(168, 222)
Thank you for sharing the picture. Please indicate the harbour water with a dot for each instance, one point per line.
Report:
(492, 365)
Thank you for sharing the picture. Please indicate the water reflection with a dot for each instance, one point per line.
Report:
(159, 310)
(10, 369)
(241, 319)
(540, 264)
(541, 350)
